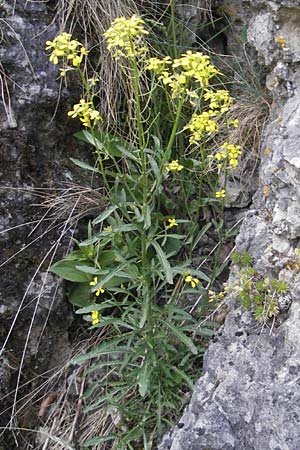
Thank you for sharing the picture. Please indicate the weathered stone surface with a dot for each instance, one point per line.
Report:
(249, 395)
(34, 150)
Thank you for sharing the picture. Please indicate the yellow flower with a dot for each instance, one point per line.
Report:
(158, 65)
(229, 153)
(196, 66)
(220, 194)
(95, 317)
(124, 37)
(94, 282)
(86, 113)
(172, 223)
(99, 291)
(233, 122)
(63, 46)
(219, 100)
(280, 41)
(193, 281)
(266, 191)
(200, 124)
(174, 166)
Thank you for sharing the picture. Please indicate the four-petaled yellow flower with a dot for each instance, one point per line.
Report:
(94, 282)
(86, 113)
(174, 166)
(233, 122)
(63, 46)
(192, 281)
(95, 317)
(200, 124)
(229, 153)
(219, 100)
(124, 37)
(172, 223)
(100, 290)
(221, 194)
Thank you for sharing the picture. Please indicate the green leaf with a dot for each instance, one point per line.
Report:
(88, 269)
(184, 376)
(201, 275)
(107, 348)
(154, 166)
(66, 269)
(182, 337)
(147, 216)
(88, 137)
(76, 255)
(99, 440)
(143, 379)
(164, 262)
(80, 295)
(206, 331)
(84, 165)
(106, 213)
(113, 273)
(200, 235)
(126, 153)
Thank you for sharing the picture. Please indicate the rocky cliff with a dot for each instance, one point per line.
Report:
(249, 395)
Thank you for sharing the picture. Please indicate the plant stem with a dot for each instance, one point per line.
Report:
(174, 129)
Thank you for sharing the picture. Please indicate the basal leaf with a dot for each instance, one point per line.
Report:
(66, 269)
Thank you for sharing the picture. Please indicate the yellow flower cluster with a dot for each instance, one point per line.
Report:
(95, 317)
(221, 194)
(158, 65)
(219, 101)
(192, 281)
(172, 223)
(197, 66)
(124, 37)
(233, 122)
(100, 290)
(216, 297)
(229, 153)
(200, 124)
(63, 46)
(86, 113)
(177, 73)
(174, 166)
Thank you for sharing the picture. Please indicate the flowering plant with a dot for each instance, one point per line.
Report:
(133, 261)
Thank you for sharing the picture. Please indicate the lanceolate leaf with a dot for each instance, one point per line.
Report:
(143, 379)
(164, 262)
(84, 165)
(106, 213)
(182, 337)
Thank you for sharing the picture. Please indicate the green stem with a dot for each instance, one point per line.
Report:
(174, 129)
(141, 137)
(99, 156)
(173, 28)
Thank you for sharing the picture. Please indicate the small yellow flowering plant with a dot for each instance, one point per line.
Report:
(66, 48)
(125, 38)
(135, 270)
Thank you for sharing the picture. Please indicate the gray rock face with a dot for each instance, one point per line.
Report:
(249, 395)
(34, 150)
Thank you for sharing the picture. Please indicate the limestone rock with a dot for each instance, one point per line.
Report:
(249, 395)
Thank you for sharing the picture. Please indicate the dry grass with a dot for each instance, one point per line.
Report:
(89, 19)
(60, 405)
(59, 202)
